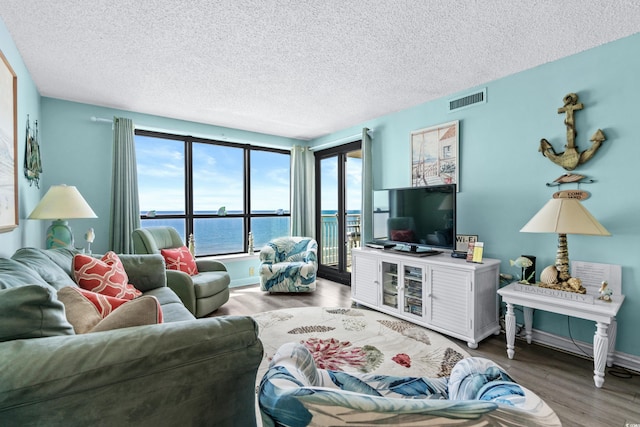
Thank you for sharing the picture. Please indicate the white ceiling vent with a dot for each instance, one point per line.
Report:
(467, 101)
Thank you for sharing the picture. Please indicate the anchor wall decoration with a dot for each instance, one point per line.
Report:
(571, 157)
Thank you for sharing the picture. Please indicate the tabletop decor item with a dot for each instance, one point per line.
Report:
(525, 263)
(60, 203)
(89, 236)
(605, 292)
(192, 244)
(563, 216)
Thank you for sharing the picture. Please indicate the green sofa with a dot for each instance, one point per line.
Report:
(185, 371)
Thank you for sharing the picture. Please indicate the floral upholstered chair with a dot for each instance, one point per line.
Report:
(294, 392)
(289, 264)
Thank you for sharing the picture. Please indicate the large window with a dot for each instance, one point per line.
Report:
(218, 191)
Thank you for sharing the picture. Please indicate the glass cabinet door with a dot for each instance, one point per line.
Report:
(412, 295)
(390, 284)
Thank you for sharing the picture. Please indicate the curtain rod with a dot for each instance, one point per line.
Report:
(101, 120)
(217, 137)
(350, 138)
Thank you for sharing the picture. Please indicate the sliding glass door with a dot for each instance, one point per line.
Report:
(339, 177)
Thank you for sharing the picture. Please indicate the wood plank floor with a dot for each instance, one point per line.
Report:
(563, 380)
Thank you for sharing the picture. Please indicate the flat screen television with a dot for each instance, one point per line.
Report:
(417, 219)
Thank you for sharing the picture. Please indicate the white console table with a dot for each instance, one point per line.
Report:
(445, 294)
(602, 312)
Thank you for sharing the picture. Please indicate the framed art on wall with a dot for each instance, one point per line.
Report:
(8, 147)
(434, 155)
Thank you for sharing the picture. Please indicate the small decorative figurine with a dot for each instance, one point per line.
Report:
(549, 275)
(192, 245)
(250, 243)
(89, 236)
(605, 292)
(523, 263)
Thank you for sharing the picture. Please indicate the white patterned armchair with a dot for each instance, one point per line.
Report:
(294, 392)
(289, 264)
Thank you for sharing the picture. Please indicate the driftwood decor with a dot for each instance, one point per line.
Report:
(571, 178)
(571, 157)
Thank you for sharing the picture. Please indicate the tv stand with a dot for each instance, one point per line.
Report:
(445, 294)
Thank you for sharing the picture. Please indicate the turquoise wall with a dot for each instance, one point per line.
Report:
(503, 176)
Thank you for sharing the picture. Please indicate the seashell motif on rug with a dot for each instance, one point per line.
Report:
(358, 340)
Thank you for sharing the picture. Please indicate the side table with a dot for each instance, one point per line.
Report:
(602, 312)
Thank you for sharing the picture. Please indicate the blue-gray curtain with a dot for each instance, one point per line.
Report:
(302, 192)
(125, 207)
(366, 215)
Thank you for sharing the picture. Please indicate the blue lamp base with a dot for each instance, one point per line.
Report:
(59, 235)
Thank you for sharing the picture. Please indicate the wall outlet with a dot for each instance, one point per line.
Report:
(251, 271)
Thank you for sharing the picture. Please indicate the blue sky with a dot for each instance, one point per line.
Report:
(329, 179)
(218, 177)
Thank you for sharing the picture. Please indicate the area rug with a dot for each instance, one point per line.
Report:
(358, 340)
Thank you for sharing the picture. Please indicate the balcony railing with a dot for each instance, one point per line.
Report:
(329, 237)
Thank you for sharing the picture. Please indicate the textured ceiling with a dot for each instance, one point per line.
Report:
(299, 69)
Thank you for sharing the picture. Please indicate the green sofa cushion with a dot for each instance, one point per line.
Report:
(63, 257)
(50, 271)
(14, 273)
(31, 311)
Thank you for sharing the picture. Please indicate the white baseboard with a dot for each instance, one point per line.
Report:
(244, 282)
(581, 348)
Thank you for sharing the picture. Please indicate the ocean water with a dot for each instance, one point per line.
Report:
(217, 236)
(226, 235)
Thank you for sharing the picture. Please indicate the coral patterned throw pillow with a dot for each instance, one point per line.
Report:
(104, 276)
(180, 259)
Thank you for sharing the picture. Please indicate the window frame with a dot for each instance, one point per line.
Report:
(189, 216)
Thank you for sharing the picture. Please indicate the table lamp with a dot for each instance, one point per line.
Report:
(60, 203)
(564, 216)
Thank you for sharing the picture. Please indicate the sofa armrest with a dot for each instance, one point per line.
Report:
(210, 265)
(145, 272)
(181, 283)
(182, 373)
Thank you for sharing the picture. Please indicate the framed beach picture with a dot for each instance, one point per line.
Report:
(8, 146)
(434, 155)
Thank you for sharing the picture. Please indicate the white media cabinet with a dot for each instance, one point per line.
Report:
(448, 295)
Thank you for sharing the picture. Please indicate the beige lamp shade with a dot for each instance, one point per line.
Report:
(565, 216)
(62, 202)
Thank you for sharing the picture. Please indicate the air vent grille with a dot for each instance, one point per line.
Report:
(468, 100)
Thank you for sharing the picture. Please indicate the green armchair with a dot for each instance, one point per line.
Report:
(202, 293)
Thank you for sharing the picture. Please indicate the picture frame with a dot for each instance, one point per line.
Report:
(464, 240)
(435, 154)
(8, 146)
